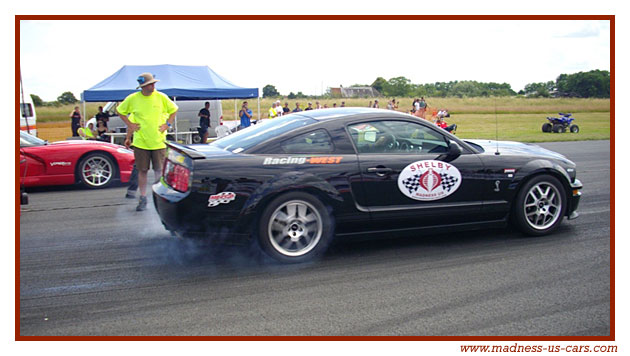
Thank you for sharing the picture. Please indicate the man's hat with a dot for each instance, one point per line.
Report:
(145, 79)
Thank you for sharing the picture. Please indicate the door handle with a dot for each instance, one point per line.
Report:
(380, 170)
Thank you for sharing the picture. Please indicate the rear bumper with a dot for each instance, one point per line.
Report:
(188, 215)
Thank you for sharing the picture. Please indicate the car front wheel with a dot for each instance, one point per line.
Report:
(540, 205)
(96, 170)
(295, 227)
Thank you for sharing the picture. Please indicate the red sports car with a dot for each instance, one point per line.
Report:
(96, 164)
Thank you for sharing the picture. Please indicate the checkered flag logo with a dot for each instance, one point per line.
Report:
(429, 180)
(448, 181)
(412, 183)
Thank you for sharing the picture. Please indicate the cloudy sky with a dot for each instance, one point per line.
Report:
(309, 56)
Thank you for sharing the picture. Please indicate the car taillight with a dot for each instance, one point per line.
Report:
(176, 176)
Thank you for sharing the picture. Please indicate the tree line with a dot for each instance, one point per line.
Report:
(63, 99)
(592, 84)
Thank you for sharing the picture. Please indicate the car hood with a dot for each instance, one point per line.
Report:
(517, 148)
(83, 143)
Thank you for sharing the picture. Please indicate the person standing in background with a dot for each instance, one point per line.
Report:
(272, 111)
(422, 107)
(279, 109)
(75, 115)
(246, 116)
(101, 117)
(204, 122)
(133, 179)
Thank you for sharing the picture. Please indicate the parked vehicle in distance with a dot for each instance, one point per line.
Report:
(95, 164)
(560, 124)
(28, 117)
(293, 183)
(187, 117)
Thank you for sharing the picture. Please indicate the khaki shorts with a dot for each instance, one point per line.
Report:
(144, 157)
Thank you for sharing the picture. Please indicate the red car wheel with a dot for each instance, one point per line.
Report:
(96, 170)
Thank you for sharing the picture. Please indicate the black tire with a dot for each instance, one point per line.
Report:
(196, 138)
(563, 129)
(546, 127)
(556, 128)
(295, 227)
(539, 206)
(96, 170)
(574, 128)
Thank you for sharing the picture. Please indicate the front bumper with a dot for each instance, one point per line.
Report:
(574, 199)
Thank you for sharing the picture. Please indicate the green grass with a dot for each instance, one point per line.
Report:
(62, 113)
(519, 119)
(528, 127)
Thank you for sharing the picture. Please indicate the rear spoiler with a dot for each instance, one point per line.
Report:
(186, 150)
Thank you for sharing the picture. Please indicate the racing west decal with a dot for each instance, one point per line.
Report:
(302, 160)
(429, 180)
(221, 198)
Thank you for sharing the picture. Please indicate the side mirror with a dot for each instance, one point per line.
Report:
(454, 151)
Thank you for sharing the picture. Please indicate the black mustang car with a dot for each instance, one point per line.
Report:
(295, 182)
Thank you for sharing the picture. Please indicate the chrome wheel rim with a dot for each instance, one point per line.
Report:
(543, 206)
(96, 171)
(295, 228)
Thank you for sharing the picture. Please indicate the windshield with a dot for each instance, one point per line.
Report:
(30, 140)
(256, 134)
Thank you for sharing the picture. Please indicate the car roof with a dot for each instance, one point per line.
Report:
(335, 113)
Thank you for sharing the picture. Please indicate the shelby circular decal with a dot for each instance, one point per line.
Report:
(429, 180)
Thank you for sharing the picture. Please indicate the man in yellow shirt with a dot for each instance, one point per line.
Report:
(272, 111)
(149, 108)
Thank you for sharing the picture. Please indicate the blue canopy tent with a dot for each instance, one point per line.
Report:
(178, 82)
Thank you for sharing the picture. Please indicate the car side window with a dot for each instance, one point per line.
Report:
(400, 137)
(313, 142)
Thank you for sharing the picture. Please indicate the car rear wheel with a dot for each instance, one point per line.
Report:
(96, 170)
(540, 205)
(295, 227)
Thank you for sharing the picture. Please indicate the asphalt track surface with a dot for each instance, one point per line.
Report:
(91, 265)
